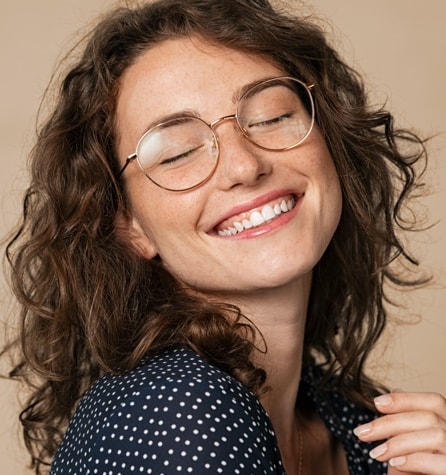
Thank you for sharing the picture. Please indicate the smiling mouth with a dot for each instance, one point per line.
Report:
(256, 217)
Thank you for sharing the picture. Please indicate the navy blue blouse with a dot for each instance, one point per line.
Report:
(177, 414)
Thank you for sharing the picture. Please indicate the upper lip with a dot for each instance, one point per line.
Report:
(257, 202)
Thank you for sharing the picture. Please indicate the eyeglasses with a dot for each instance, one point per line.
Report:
(182, 153)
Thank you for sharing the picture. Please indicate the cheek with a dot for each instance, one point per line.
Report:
(326, 169)
(326, 181)
(166, 222)
(332, 194)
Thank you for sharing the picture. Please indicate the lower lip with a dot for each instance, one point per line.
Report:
(268, 227)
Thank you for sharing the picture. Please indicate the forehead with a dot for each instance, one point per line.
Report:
(185, 74)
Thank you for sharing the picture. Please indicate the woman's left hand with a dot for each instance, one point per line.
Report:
(414, 430)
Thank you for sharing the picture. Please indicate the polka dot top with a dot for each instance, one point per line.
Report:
(177, 414)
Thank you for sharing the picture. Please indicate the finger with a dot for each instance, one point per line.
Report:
(427, 441)
(395, 471)
(420, 463)
(392, 403)
(395, 424)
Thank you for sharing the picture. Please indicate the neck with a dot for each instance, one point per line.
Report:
(280, 317)
(306, 445)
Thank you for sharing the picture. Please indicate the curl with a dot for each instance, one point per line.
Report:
(88, 305)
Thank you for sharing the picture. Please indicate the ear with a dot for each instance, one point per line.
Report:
(131, 234)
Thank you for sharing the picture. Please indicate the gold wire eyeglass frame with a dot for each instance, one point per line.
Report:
(212, 125)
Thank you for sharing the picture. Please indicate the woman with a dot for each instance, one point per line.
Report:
(213, 215)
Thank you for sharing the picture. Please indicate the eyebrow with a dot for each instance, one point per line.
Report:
(242, 91)
(191, 113)
(171, 117)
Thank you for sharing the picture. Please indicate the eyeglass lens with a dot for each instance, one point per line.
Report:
(180, 154)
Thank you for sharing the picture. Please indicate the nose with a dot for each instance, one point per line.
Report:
(240, 161)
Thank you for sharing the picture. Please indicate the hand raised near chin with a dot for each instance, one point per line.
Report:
(413, 426)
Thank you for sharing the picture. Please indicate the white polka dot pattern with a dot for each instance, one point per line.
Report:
(177, 414)
(174, 414)
(341, 417)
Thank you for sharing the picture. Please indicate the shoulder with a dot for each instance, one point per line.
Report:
(173, 410)
(175, 379)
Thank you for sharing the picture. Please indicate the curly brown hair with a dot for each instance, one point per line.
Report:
(89, 305)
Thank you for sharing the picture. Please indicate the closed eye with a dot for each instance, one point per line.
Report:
(273, 121)
(180, 156)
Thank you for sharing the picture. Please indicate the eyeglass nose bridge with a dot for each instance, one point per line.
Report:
(226, 118)
(216, 122)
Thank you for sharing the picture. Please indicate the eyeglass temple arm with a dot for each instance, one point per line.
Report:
(130, 158)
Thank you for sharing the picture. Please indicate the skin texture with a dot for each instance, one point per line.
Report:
(414, 430)
(266, 271)
(180, 226)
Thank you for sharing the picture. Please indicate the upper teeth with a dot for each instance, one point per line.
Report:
(257, 218)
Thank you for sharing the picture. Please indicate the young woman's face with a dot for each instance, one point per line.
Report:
(182, 227)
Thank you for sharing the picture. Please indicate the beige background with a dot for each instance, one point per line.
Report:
(399, 45)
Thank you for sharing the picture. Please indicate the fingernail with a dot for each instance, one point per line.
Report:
(396, 461)
(362, 430)
(377, 451)
(383, 400)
